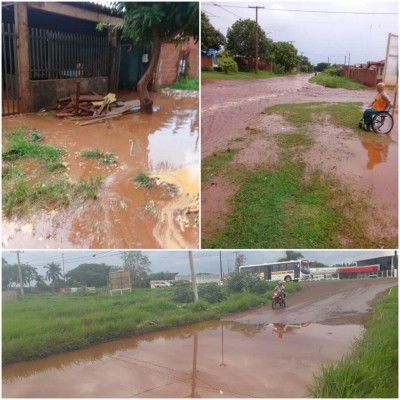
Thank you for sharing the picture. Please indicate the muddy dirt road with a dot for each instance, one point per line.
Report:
(163, 145)
(366, 164)
(263, 357)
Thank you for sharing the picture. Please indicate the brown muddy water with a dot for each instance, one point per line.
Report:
(163, 145)
(211, 359)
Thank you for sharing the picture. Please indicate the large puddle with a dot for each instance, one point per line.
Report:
(164, 145)
(212, 359)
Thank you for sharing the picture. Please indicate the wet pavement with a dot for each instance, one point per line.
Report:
(213, 359)
(163, 145)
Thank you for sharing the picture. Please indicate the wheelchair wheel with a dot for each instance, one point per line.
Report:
(382, 123)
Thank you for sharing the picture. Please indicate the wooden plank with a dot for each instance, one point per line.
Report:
(88, 97)
(103, 106)
(101, 119)
(78, 92)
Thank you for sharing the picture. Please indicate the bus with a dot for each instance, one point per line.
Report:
(294, 270)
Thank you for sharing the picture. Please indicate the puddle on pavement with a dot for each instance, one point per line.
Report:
(212, 359)
(163, 144)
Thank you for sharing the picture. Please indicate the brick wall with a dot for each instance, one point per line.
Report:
(168, 66)
(368, 77)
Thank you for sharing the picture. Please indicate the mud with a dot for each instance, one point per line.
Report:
(227, 360)
(367, 164)
(164, 145)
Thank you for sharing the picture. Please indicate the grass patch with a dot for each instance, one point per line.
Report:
(89, 188)
(44, 324)
(337, 82)
(296, 139)
(186, 84)
(207, 75)
(102, 157)
(215, 163)
(143, 181)
(371, 371)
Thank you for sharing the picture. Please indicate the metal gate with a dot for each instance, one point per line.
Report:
(10, 96)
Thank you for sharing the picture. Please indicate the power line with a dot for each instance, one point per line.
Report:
(309, 11)
(223, 8)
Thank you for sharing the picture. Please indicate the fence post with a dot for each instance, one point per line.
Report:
(22, 36)
(112, 66)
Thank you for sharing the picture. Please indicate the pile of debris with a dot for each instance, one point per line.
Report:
(93, 108)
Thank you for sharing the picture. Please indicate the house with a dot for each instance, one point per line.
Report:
(369, 74)
(47, 47)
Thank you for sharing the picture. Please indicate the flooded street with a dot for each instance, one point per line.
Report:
(258, 353)
(163, 145)
(213, 359)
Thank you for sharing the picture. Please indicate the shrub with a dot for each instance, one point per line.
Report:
(333, 71)
(242, 282)
(212, 293)
(183, 293)
(200, 305)
(227, 64)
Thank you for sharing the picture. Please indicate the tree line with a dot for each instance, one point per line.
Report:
(85, 275)
(239, 45)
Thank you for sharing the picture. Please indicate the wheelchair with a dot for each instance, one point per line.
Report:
(382, 122)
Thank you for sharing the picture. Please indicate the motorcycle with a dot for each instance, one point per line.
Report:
(278, 299)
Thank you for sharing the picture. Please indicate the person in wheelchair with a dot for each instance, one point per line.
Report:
(380, 103)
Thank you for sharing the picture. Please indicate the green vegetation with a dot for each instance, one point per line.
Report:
(207, 75)
(186, 84)
(289, 203)
(45, 324)
(227, 64)
(213, 164)
(331, 81)
(371, 371)
(102, 157)
(143, 181)
(34, 175)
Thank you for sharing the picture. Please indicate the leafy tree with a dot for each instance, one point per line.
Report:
(322, 67)
(53, 273)
(138, 264)
(291, 255)
(211, 38)
(89, 275)
(9, 276)
(239, 261)
(242, 282)
(28, 273)
(317, 264)
(241, 39)
(305, 65)
(227, 64)
(157, 23)
(285, 54)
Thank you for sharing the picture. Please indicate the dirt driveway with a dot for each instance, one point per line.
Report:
(335, 302)
(366, 164)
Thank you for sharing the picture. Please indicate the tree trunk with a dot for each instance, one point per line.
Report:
(146, 104)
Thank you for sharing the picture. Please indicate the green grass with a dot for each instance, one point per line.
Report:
(186, 84)
(45, 324)
(89, 188)
(337, 82)
(371, 371)
(102, 157)
(287, 205)
(143, 181)
(215, 163)
(206, 75)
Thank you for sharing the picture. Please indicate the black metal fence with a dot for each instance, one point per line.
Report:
(58, 55)
(10, 98)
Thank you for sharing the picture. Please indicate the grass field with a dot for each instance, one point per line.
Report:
(337, 82)
(207, 75)
(371, 371)
(35, 177)
(287, 204)
(45, 324)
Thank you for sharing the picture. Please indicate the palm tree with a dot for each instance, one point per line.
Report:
(53, 273)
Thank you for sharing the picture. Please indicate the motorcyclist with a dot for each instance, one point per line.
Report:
(280, 288)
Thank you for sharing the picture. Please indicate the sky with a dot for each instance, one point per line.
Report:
(318, 35)
(178, 261)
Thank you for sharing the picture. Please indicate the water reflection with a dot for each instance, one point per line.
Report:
(377, 153)
(212, 359)
(174, 145)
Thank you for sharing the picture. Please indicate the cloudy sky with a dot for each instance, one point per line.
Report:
(178, 261)
(319, 29)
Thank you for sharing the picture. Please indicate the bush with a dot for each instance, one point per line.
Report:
(197, 306)
(227, 64)
(183, 293)
(243, 282)
(333, 71)
(212, 293)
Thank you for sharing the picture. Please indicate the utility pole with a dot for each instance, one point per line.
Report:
(62, 254)
(349, 58)
(193, 274)
(256, 7)
(20, 272)
(328, 60)
(345, 57)
(220, 266)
